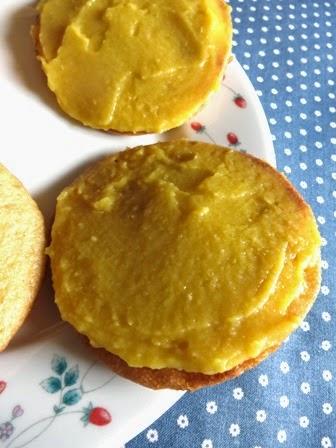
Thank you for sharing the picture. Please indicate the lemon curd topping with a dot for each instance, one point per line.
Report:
(133, 65)
(183, 255)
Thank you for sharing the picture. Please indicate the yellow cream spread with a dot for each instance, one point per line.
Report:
(133, 65)
(183, 255)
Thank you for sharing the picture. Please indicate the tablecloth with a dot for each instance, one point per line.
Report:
(287, 48)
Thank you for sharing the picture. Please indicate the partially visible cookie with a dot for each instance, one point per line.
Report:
(22, 246)
(133, 66)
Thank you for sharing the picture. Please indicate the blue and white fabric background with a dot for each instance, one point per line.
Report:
(287, 47)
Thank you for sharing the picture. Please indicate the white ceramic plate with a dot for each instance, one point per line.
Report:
(52, 390)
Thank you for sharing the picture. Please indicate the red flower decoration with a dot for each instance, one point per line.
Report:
(3, 385)
(232, 139)
(197, 126)
(240, 101)
(99, 417)
(96, 416)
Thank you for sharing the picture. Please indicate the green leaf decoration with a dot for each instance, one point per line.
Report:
(58, 409)
(59, 364)
(86, 413)
(71, 376)
(72, 397)
(51, 384)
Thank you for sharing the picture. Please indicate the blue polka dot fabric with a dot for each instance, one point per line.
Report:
(287, 48)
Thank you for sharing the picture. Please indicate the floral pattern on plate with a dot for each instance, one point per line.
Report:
(66, 384)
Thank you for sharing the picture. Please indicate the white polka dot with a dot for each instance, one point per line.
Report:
(284, 401)
(287, 169)
(288, 134)
(303, 116)
(324, 263)
(318, 113)
(320, 199)
(327, 375)
(282, 436)
(303, 184)
(325, 290)
(319, 180)
(274, 106)
(327, 408)
(326, 316)
(289, 103)
(284, 367)
(182, 421)
(321, 220)
(303, 148)
(260, 79)
(289, 89)
(303, 101)
(273, 121)
(303, 166)
(319, 162)
(303, 132)
(304, 422)
(305, 356)
(234, 430)
(238, 393)
(326, 345)
(207, 443)
(152, 435)
(288, 152)
(305, 326)
(275, 64)
(324, 242)
(261, 415)
(263, 380)
(305, 388)
(326, 442)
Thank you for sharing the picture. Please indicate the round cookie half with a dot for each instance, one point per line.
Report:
(184, 263)
(22, 246)
(133, 66)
